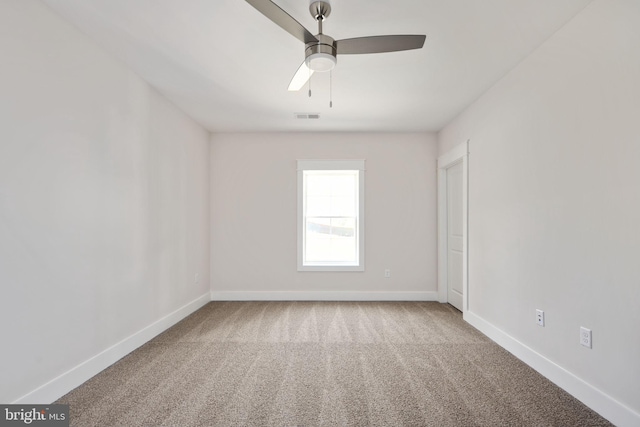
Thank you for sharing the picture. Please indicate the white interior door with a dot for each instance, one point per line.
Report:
(455, 235)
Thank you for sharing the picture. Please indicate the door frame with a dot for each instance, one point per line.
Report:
(458, 154)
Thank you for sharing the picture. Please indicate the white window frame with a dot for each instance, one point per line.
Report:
(307, 165)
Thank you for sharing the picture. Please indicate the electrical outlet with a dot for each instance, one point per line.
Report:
(540, 317)
(387, 273)
(585, 337)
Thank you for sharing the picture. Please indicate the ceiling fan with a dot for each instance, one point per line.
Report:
(321, 50)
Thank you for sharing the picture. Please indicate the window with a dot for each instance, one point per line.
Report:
(330, 215)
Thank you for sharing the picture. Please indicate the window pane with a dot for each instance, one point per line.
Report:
(330, 206)
(343, 206)
(331, 193)
(316, 184)
(343, 249)
(343, 184)
(318, 228)
(317, 239)
(343, 239)
(318, 205)
(343, 227)
(330, 239)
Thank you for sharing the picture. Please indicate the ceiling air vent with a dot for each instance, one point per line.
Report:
(304, 116)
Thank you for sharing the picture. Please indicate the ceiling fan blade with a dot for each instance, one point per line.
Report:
(379, 44)
(283, 20)
(300, 78)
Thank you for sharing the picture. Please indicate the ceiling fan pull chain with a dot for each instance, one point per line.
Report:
(330, 89)
(309, 82)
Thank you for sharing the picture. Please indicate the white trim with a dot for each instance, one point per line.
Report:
(602, 403)
(442, 235)
(321, 296)
(331, 267)
(452, 156)
(458, 154)
(340, 164)
(74, 377)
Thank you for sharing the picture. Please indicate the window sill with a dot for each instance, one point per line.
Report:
(331, 268)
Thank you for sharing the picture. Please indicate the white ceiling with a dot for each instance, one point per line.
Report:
(228, 66)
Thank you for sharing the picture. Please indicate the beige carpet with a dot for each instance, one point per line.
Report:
(323, 363)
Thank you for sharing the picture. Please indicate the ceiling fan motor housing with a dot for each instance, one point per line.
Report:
(321, 55)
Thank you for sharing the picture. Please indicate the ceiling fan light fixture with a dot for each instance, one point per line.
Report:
(321, 61)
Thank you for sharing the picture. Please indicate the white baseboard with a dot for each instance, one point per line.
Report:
(321, 296)
(71, 379)
(605, 405)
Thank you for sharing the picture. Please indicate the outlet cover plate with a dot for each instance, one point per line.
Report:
(540, 317)
(585, 337)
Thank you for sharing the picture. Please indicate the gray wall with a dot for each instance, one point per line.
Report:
(555, 199)
(103, 203)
